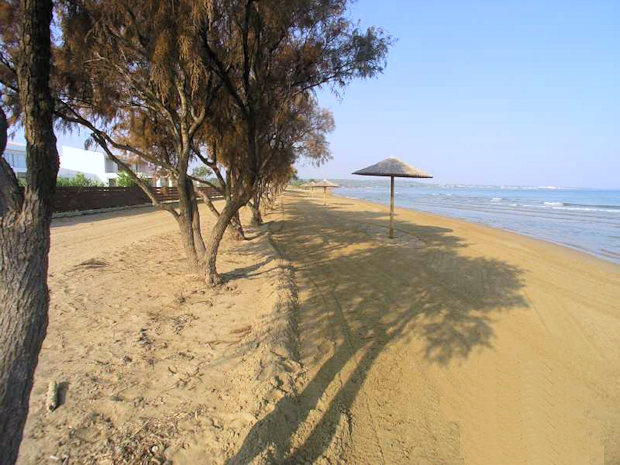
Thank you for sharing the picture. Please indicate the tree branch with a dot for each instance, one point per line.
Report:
(125, 167)
(204, 181)
(222, 72)
(211, 164)
(79, 119)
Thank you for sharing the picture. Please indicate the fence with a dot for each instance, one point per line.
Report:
(95, 198)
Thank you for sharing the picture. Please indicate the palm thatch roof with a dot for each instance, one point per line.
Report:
(324, 183)
(393, 167)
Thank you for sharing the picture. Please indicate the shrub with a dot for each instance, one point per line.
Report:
(124, 180)
(79, 180)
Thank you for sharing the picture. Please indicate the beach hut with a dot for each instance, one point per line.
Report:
(394, 168)
(325, 184)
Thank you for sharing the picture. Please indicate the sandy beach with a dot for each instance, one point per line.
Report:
(151, 364)
(452, 343)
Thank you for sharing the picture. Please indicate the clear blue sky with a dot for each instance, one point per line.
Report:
(512, 92)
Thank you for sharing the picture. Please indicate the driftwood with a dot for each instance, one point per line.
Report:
(51, 403)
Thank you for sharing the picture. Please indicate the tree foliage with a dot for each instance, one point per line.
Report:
(226, 84)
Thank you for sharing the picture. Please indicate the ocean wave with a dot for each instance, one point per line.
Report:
(496, 199)
(588, 209)
(582, 207)
(599, 206)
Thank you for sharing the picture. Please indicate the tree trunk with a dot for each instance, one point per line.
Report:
(253, 153)
(237, 227)
(186, 230)
(215, 238)
(189, 224)
(199, 242)
(24, 232)
(257, 218)
(24, 244)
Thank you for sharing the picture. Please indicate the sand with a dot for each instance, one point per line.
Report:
(152, 365)
(451, 344)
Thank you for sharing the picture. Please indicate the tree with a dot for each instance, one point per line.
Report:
(267, 55)
(128, 73)
(301, 136)
(210, 80)
(202, 173)
(25, 219)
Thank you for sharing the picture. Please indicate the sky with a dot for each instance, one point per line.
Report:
(501, 92)
(492, 92)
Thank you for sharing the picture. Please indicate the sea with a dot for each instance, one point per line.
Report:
(583, 219)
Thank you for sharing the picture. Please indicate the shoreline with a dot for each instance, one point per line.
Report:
(567, 247)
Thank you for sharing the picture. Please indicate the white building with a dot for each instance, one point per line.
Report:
(15, 155)
(93, 165)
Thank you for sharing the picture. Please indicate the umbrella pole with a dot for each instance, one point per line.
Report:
(324, 196)
(391, 230)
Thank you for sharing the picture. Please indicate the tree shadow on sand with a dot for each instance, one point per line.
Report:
(362, 293)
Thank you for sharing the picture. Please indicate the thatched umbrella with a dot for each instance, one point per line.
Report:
(393, 167)
(325, 184)
(308, 185)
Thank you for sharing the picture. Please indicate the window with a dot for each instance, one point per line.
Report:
(16, 159)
